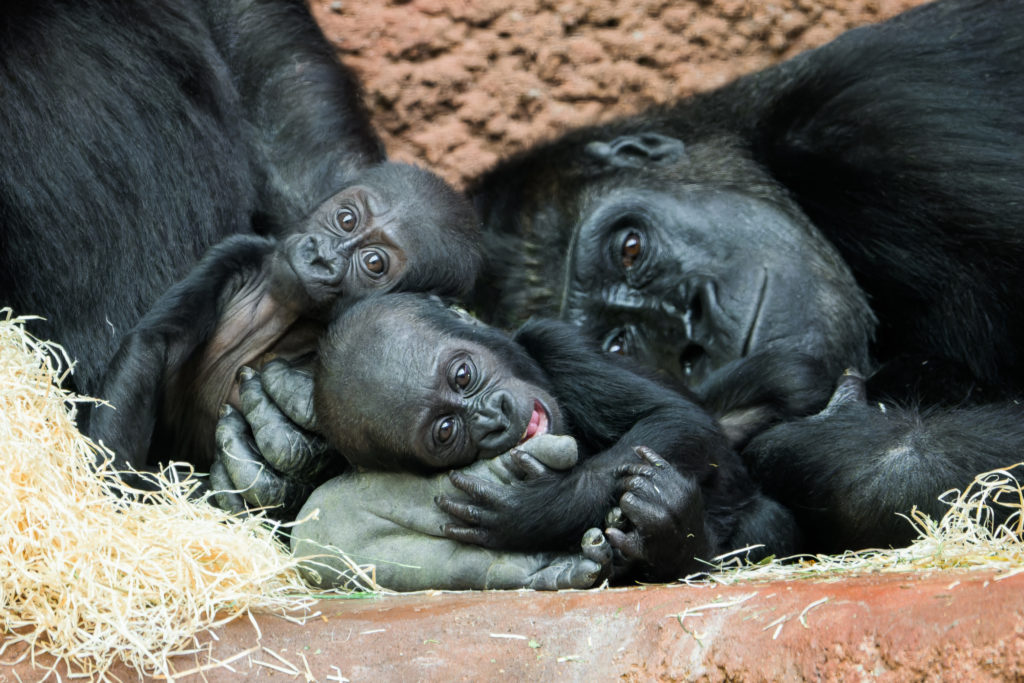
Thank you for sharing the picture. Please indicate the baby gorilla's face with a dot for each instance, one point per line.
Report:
(397, 392)
(354, 242)
(478, 407)
(399, 227)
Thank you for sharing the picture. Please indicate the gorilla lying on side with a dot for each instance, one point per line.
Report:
(397, 227)
(403, 383)
(858, 206)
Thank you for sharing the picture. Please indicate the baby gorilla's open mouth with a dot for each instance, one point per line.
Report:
(539, 421)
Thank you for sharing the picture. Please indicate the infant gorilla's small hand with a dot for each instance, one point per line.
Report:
(482, 520)
(662, 525)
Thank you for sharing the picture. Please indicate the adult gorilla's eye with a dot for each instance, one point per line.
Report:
(618, 343)
(463, 375)
(374, 262)
(346, 219)
(444, 430)
(632, 249)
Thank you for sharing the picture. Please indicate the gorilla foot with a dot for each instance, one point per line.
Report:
(665, 514)
(591, 566)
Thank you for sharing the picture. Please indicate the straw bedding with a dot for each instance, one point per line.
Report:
(94, 578)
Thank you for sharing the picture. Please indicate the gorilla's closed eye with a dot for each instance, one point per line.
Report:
(346, 219)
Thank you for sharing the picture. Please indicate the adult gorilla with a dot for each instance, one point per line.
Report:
(138, 133)
(858, 206)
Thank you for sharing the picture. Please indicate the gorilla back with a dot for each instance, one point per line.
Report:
(137, 133)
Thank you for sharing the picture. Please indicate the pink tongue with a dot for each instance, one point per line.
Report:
(537, 421)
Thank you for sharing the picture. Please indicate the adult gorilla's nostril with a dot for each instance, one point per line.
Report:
(689, 357)
(696, 307)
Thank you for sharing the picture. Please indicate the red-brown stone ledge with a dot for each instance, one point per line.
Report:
(936, 625)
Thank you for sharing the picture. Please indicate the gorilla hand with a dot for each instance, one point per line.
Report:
(661, 527)
(757, 391)
(483, 519)
(388, 519)
(544, 454)
(266, 457)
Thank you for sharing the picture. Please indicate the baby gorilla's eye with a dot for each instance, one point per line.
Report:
(374, 262)
(463, 375)
(632, 249)
(346, 219)
(445, 430)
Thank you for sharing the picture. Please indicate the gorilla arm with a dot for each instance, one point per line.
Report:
(183, 320)
(308, 121)
(848, 472)
(389, 519)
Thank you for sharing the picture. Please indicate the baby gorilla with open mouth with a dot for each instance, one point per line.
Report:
(405, 384)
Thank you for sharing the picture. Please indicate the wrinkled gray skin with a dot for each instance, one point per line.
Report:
(389, 519)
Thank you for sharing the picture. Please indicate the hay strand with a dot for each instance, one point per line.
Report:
(93, 578)
(966, 537)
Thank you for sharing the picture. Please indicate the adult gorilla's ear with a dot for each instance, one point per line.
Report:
(637, 151)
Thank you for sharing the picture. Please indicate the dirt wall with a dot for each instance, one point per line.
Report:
(456, 84)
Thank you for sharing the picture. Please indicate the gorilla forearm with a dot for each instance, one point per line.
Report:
(850, 470)
(183, 320)
(288, 74)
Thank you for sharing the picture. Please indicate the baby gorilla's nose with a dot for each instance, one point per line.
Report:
(324, 256)
(490, 423)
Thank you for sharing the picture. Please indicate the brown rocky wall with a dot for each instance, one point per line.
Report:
(457, 84)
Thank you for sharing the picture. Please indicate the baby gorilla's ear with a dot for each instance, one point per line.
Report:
(461, 313)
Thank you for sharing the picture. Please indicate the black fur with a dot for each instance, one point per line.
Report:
(897, 152)
(605, 405)
(138, 133)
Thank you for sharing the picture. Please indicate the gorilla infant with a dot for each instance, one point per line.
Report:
(405, 384)
(397, 227)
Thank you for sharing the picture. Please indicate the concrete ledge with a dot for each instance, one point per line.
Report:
(935, 625)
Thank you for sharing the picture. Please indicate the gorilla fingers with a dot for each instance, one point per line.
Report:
(266, 457)
(664, 510)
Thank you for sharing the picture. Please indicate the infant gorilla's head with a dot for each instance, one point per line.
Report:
(397, 228)
(404, 382)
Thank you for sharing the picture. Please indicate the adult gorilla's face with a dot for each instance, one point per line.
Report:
(689, 280)
(685, 260)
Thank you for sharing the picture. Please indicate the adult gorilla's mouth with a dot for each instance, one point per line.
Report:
(540, 420)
